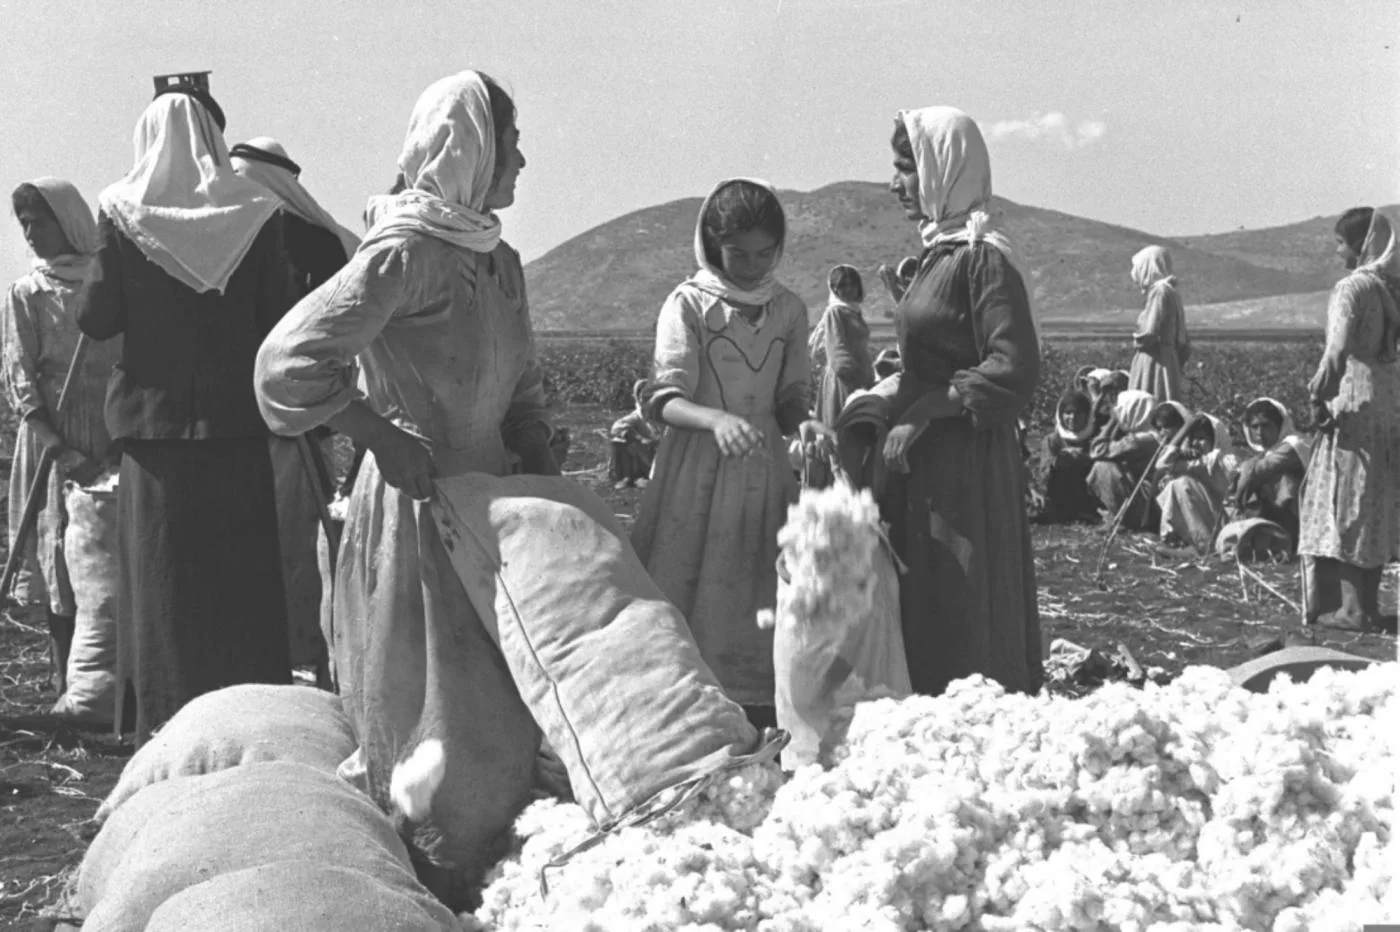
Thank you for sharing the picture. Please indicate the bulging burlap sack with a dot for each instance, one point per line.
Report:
(606, 665)
(240, 725)
(184, 832)
(90, 553)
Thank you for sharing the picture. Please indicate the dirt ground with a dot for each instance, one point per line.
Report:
(1171, 609)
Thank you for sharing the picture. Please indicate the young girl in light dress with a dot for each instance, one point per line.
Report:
(732, 379)
(1194, 479)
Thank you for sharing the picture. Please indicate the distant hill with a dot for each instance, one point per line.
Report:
(616, 275)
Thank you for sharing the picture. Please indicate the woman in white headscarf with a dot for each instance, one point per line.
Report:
(1122, 450)
(1350, 514)
(1161, 339)
(1194, 478)
(956, 499)
(433, 307)
(842, 339)
(1268, 483)
(191, 273)
(38, 336)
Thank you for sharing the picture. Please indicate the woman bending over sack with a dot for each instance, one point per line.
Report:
(433, 306)
(39, 334)
(192, 273)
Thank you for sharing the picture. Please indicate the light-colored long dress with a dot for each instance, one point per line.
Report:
(444, 342)
(1351, 497)
(708, 524)
(38, 334)
(1164, 345)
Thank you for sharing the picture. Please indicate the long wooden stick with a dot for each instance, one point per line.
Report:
(37, 488)
(1123, 511)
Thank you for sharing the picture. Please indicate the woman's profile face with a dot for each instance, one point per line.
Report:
(42, 232)
(1346, 253)
(502, 193)
(905, 185)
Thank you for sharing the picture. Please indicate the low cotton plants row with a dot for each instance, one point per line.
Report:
(1189, 806)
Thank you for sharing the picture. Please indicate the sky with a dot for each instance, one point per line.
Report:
(1195, 116)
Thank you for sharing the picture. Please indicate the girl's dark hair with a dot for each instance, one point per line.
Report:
(1270, 412)
(1353, 227)
(503, 114)
(845, 282)
(738, 207)
(901, 143)
(1201, 427)
(28, 197)
(1167, 418)
(1076, 401)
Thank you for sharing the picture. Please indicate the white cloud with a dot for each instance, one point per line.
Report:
(1052, 127)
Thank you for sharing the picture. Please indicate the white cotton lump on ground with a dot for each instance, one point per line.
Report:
(1190, 806)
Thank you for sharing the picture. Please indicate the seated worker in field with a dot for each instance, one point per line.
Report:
(1268, 482)
(1121, 450)
(633, 438)
(1065, 462)
(1081, 378)
(1168, 418)
(1193, 478)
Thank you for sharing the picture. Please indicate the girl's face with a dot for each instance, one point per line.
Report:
(1346, 253)
(1261, 432)
(1199, 443)
(748, 257)
(1074, 420)
(1165, 434)
(502, 193)
(42, 233)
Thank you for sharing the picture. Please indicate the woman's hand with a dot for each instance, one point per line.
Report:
(735, 436)
(899, 441)
(817, 439)
(405, 462)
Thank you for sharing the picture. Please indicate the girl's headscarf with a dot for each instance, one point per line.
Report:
(1133, 410)
(1081, 376)
(816, 340)
(1151, 265)
(1085, 432)
(1224, 446)
(280, 175)
(710, 278)
(1176, 406)
(1380, 262)
(75, 220)
(448, 164)
(182, 203)
(1287, 432)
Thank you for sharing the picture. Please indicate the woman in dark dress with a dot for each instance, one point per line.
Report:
(971, 361)
(192, 273)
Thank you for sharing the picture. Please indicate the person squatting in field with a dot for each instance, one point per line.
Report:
(192, 273)
(732, 379)
(38, 338)
(971, 361)
(317, 247)
(1194, 476)
(1350, 513)
(1161, 341)
(1122, 449)
(1268, 483)
(433, 307)
(1065, 462)
(841, 344)
(633, 438)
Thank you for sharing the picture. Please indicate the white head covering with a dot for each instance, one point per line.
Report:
(1133, 410)
(287, 186)
(448, 163)
(75, 220)
(1287, 432)
(182, 204)
(1380, 260)
(1223, 444)
(1152, 264)
(1073, 436)
(710, 278)
(955, 176)
(1178, 407)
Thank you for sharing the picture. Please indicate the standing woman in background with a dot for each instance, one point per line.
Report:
(39, 335)
(843, 336)
(191, 272)
(1350, 514)
(956, 503)
(1161, 341)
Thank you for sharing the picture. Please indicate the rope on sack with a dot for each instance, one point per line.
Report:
(666, 801)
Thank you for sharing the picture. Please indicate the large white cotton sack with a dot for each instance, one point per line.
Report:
(90, 553)
(606, 665)
(179, 833)
(240, 725)
(306, 897)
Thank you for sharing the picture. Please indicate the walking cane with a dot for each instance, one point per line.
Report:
(37, 488)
